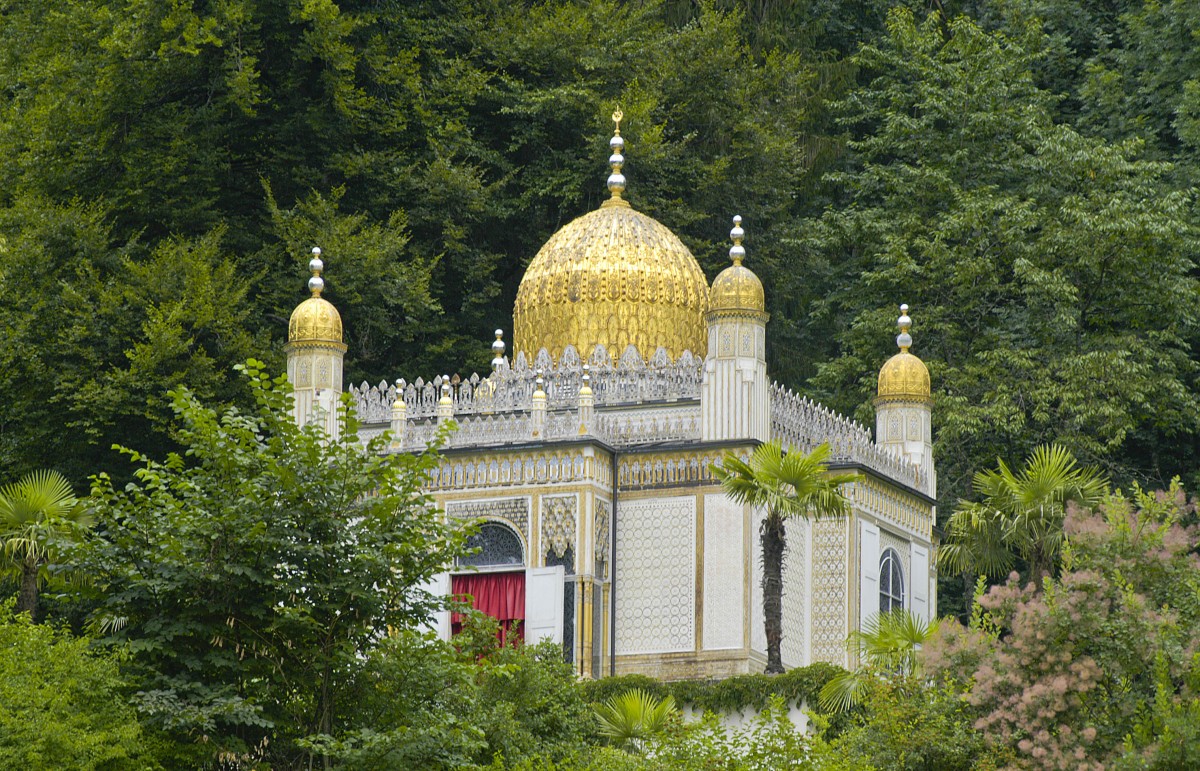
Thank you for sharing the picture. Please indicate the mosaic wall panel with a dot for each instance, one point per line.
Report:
(758, 632)
(655, 575)
(603, 538)
(513, 510)
(829, 597)
(724, 573)
(558, 523)
(795, 597)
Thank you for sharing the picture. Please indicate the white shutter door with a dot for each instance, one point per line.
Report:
(544, 604)
(868, 572)
(920, 582)
(438, 586)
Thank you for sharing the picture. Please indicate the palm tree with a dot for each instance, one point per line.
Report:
(1020, 514)
(790, 484)
(887, 644)
(36, 514)
(628, 719)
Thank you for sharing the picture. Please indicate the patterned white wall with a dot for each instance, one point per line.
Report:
(758, 633)
(655, 575)
(724, 573)
(795, 595)
(830, 601)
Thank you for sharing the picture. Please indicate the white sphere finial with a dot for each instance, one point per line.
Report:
(904, 339)
(737, 252)
(616, 180)
(316, 265)
(498, 350)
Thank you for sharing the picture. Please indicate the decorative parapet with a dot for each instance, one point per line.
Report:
(627, 381)
(800, 422)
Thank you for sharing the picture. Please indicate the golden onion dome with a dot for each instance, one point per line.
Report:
(737, 288)
(904, 377)
(315, 320)
(613, 277)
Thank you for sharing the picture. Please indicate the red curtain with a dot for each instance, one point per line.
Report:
(500, 595)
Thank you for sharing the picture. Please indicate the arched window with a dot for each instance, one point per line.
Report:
(498, 546)
(891, 582)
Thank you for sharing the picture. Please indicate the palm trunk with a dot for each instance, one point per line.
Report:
(27, 597)
(774, 541)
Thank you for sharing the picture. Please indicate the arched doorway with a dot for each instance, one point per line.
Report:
(498, 586)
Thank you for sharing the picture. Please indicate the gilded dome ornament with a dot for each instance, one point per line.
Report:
(315, 321)
(904, 377)
(613, 277)
(736, 290)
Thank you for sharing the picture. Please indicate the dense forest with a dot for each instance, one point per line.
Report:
(1021, 172)
(240, 592)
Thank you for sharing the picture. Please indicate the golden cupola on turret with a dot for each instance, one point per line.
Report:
(613, 277)
(736, 289)
(903, 377)
(315, 320)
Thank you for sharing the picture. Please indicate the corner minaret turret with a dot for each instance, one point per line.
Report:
(733, 394)
(314, 355)
(903, 405)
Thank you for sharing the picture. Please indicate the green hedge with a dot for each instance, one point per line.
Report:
(732, 694)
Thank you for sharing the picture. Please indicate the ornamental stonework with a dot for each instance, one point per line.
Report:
(558, 524)
(603, 538)
(830, 611)
(656, 574)
(512, 510)
(795, 567)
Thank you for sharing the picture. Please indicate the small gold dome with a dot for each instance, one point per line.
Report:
(737, 288)
(904, 376)
(613, 277)
(315, 321)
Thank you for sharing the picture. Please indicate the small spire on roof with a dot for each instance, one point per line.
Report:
(316, 283)
(904, 339)
(737, 252)
(616, 180)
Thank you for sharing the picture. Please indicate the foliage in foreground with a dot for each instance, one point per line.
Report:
(423, 703)
(38, 514)
(64, 704)
(1099, 666)
(250, 576)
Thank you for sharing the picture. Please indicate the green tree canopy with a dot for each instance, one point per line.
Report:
(64, 704)
(1051, 275)
(249, 575)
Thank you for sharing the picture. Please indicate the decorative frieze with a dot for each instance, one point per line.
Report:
(629, 380)
(891, 506)
(508, 468)
(801, 422)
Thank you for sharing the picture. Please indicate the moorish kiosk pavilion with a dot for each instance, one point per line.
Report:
(586, 458)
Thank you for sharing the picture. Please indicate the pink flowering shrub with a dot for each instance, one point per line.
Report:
(1067, 675)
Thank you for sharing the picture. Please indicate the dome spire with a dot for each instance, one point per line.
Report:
(316, 283)
(616, 180)
(737, 252)
(904, 339)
